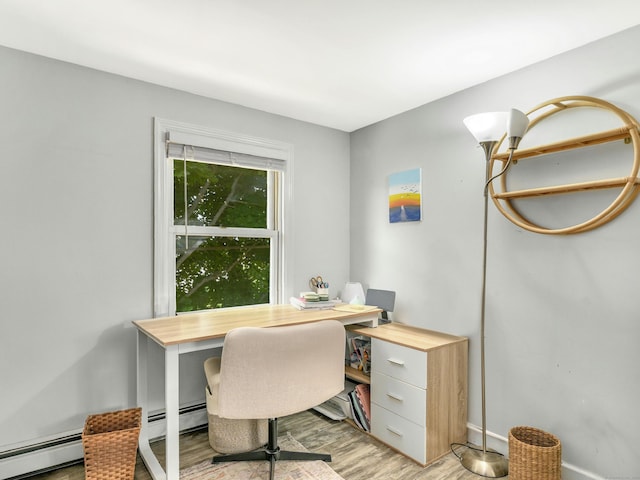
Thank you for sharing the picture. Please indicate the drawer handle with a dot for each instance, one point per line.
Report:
(394, 431)
(396, 361)
(395, 397)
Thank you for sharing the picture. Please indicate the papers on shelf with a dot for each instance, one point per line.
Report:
(338, 407)
(302, 304)
(359, 399)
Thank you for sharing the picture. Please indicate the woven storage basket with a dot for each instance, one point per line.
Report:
(534, 455)
(110, 442)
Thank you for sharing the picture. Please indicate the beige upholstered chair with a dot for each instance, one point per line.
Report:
(227, 435)
(273, 372)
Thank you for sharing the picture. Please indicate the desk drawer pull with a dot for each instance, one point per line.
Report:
(395, 397)
(394, 431)
(400, 363)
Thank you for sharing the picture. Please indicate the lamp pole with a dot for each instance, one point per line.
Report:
(488, 148)
(487, 128)
(485, 462)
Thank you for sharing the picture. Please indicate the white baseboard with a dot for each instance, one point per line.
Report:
(193, 418)
(48, 457)
(494, 441)
(501, 444)
(190, 419)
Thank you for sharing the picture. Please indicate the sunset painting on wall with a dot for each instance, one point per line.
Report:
(405, 203)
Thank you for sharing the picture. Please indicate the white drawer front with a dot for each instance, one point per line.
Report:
(400, 362)
(399, 397)
(400, 433)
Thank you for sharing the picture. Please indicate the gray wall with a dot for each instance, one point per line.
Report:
(562, 321)
(76, 250)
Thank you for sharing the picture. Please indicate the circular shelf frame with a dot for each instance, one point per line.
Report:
(630, 185)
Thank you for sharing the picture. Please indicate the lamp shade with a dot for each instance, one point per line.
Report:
(353, 293)
(487, 127)
(517, 123)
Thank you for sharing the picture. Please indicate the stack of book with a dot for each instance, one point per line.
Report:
(308, 303)
(360, 402)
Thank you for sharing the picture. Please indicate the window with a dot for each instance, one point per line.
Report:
(220, 219)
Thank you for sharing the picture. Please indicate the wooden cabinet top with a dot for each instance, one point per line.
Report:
(409, 336)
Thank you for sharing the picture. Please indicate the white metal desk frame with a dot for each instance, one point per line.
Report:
(172, 396)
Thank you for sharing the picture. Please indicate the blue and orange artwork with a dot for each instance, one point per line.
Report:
(404, 196)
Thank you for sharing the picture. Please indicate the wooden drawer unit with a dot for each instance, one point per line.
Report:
(399, 397)
(418, 389)
(399, 433)
(399, 362)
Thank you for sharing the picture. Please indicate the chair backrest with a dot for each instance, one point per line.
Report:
(278, 371)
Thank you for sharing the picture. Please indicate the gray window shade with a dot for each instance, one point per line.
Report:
(196, 151)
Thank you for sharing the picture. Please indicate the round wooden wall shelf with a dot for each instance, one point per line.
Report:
(629, 186)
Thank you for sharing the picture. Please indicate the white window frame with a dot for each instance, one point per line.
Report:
(164, 231)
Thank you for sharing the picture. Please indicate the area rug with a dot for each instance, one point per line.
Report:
(285, 469)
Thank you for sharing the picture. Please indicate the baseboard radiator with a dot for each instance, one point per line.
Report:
(64, 450)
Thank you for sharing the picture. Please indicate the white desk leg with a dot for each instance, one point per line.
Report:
(148, 457)
(172, 406)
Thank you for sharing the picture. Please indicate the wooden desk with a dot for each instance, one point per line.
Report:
(203, 331)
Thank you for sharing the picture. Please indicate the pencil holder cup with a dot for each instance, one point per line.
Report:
(323, 294)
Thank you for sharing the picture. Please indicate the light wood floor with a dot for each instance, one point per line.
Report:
(355, 455)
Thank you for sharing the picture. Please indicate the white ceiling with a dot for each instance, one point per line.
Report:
(339, 63)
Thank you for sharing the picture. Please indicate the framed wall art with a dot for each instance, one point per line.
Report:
(405, 202)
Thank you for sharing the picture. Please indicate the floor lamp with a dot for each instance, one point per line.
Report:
(488, 128)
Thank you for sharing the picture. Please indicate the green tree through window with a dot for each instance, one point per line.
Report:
(216, 269)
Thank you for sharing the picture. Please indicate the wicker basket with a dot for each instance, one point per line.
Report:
(110, 442)
(534, 455)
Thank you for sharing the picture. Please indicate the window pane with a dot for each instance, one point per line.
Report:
(216, 272)
(220, 195)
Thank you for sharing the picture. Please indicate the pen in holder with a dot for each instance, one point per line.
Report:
(321, 288)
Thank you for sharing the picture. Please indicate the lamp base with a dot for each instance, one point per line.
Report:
(487, 464)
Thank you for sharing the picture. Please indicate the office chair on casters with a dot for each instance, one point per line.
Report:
(274, 372)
